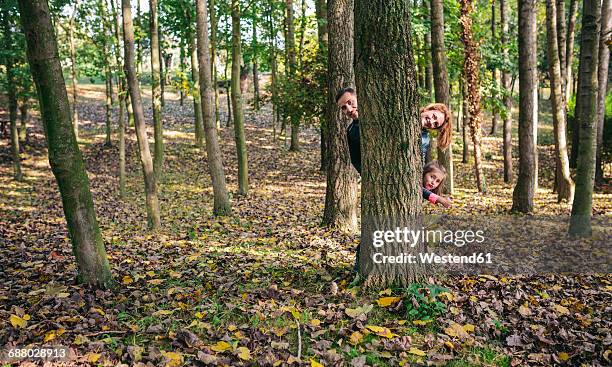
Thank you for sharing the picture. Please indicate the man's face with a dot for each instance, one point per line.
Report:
(348, 105)
(432, 119)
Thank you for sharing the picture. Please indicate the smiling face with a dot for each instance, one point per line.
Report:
(432, 179)
(432, 119)
(348, 105)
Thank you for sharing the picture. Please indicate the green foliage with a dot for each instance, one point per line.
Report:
(422, 303)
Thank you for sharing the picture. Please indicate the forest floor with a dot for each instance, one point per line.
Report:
(268, 283)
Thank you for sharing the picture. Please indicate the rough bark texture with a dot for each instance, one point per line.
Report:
(494, 71)
(213, 152)
(122, 97)
(441, 85)
(152, 203)
(604, 62)
(524, 191)
(197, 102)
(507, 85)
(241, 148)
(213, 58)
(569, 48)
(390, 134)
(158, 155)
(472, 79)
(565, 185)
(561, 32)
(586, 118)
(73, 69)
(341, 193)
(64, 155)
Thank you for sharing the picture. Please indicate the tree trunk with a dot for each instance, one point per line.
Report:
(73, 70)
(108, 101)
(471, 70)
(580, 221)
(12, 103)
(565, 186)
(561, 46)
(569, 48)
(441, 86)
(152, 203)
(341, 192)
(241, 148)
(197, 101)
(465, 121)
(64, 155)
(213, 60)
(255, 67)
(494, 71)
(428, 54)
(524, 191)
(390, 130)
(24, 111)
(292, 63)
(158, 155)
(182, 75)
(163, 71)
(323, 38)
(604, 61)
(507, 85)
(213, 152)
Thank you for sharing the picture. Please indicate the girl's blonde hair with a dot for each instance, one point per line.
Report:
(445, 130)
(432, 166)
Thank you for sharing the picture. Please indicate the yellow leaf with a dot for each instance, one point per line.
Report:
(314, 363)
(150, 273)
(50, 336)
(174, 359)
(456, 330)
(127, 279)
(563, 356)
(162, 313)
(387, 301)
(468, 328)
(199, 315)
(155, 281)
(421, 322)
(449, 344)
(315, 322)
(447, 295)
(417, 352)
(244, 353)
(18, 322)
(232, 327)
(562, 310)
(174, 274)
(386, 292)
(381, 331)
(93, 357)
(221, 346)
(356, 338)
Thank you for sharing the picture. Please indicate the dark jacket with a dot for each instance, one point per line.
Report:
(353, 138)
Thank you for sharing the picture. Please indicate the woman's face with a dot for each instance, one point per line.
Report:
(433, 119)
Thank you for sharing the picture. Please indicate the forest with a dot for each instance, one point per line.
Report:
(305, 183)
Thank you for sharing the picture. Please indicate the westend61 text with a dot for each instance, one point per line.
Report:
(432, 258)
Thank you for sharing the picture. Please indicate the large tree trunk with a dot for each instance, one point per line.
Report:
(441, 86)
(341, 192)
(158, 155)
(524, 191)
(152, 203)
(471, 70)
(241, 148)
(507, 85)
(213, 152)
(213, 59)
(323, 37)
(64, 155)
(73, 69)
(564, 184)
(580, 221)
(390, 136)
(604, 61)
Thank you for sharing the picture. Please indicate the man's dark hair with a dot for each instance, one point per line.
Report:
(341, 92)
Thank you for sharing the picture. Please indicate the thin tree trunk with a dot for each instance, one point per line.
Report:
(441, 85)
(182, 73)
(580, 220)
(388, 100)
(292, 63)
(197, 101)
(24, 110)
(213, 60)
(494, 71)
(255, 67)
(241, 148)
(524, 191)
(64, 155)
(562, 45)
(12, 98)
(73, 70)
(228, 98)
(158, 134)
(428, 55)
(507, 85)
(465, 121)
(323, 37)
(565, 186)
(471, 70)
(152, 203)
(163, 71)
(108, 101)
(604, 61)
(341, 192)
(569, 48)
(222, 204)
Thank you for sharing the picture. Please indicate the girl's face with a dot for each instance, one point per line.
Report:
(433, 119)
(432, 179)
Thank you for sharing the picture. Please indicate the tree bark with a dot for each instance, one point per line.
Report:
(580, 220)
(494, 71)
(152, 203)
(73, 70)
(341, 192)
(571, 26)
(561, 46)
(241, 148)
(213, 152)
(428, 54)
(471, 70)
(292, 63)
(24, 112)
(465, 121)
(64, 155)
(122, 97)
(524, 191)
(197, 101)
(390, 130)
(323, 38)
(255, 66)
(158, 155)
(441, 85)
(604, 61)
(565, 185)
(213, 60)
(507, 85)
